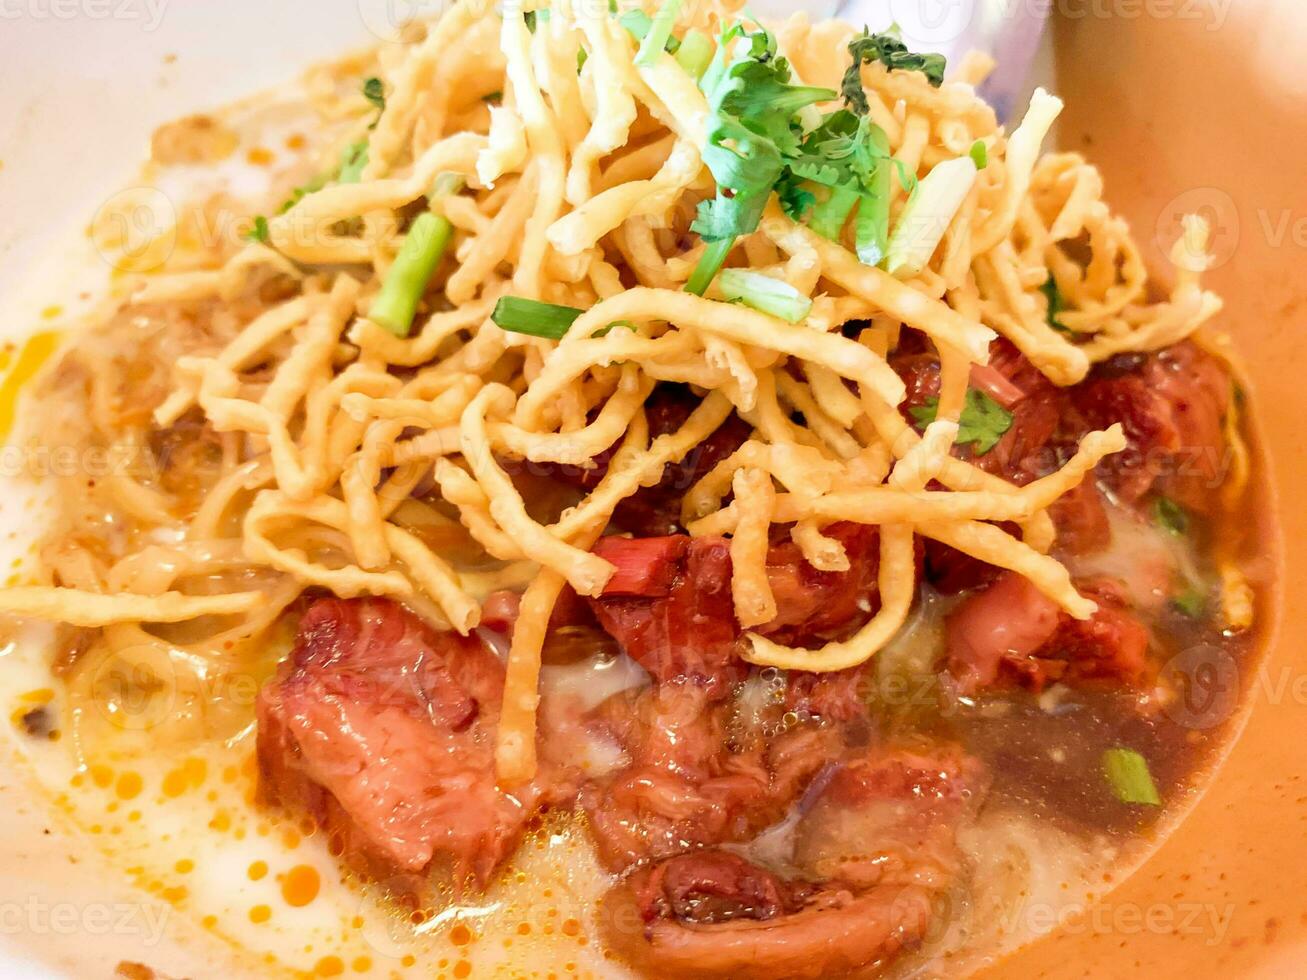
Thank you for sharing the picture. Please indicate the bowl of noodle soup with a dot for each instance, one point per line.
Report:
(488, 407)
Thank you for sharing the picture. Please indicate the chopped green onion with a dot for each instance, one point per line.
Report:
(530, 316)
(352, 162)
(871, 229)
(927, 216)
(765, 294)
(1191, 602)
(829, 216)
(638, 24)
(980, 154)
(1170, 516)
(258, 231)
(660, 30)
(1127, 773)
(695, 53)
(424, 246)
(710, 263)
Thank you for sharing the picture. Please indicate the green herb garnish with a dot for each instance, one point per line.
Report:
(1055, 304)
(374, 90)
(1192, 602)
(694, 54)
(979, 154)
(407, 279)
(1170, 516)
(1127, 773)
(765, 294)
(887, 48)
(532, 317)
(752, 133)
(982, 424)
(258, 231)
(352, 161)
(638, 24)
(655, 41)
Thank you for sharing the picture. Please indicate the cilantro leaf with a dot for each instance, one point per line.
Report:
(374, 90)
(887, 48)
(796, 200)
(982, 424)
(720, 218)
(751, 133)
(1055, 304)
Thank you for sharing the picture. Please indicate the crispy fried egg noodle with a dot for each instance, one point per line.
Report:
(578, 189)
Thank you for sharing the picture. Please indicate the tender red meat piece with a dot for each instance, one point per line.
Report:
(1012, 633)
(710, 914)
(500, 610)
(656, 510)
(672, 611)
(381, 729)
(1110, 646)
(1005, 625)
(693, 777)
(687, 630)
(878, 841)
(819, 606)
(840, 696)
(1081, 520)
(712, 886)
(646, 567)
(891, 817)
(1172, 405)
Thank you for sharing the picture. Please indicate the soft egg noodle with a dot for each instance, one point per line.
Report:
(578, 189)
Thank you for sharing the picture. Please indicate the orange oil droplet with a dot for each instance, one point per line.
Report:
(300, 886)
(258, 870)
(129, 786)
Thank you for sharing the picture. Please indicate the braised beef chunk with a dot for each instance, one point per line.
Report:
(877, 843)
(684, 626)
(695, 775)
(670, 606)
(1172, 405)
(712, 886)
(1081, 520)
(890, 816)
(813, 606)
(381, 729)
(1011, 633)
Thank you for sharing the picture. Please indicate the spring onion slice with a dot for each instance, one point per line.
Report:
(529, 316)
(927, 216)
(695, 53)
(424, 246)
(1127, 773)
(764, 294)
(660, 30)
(709, 265)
